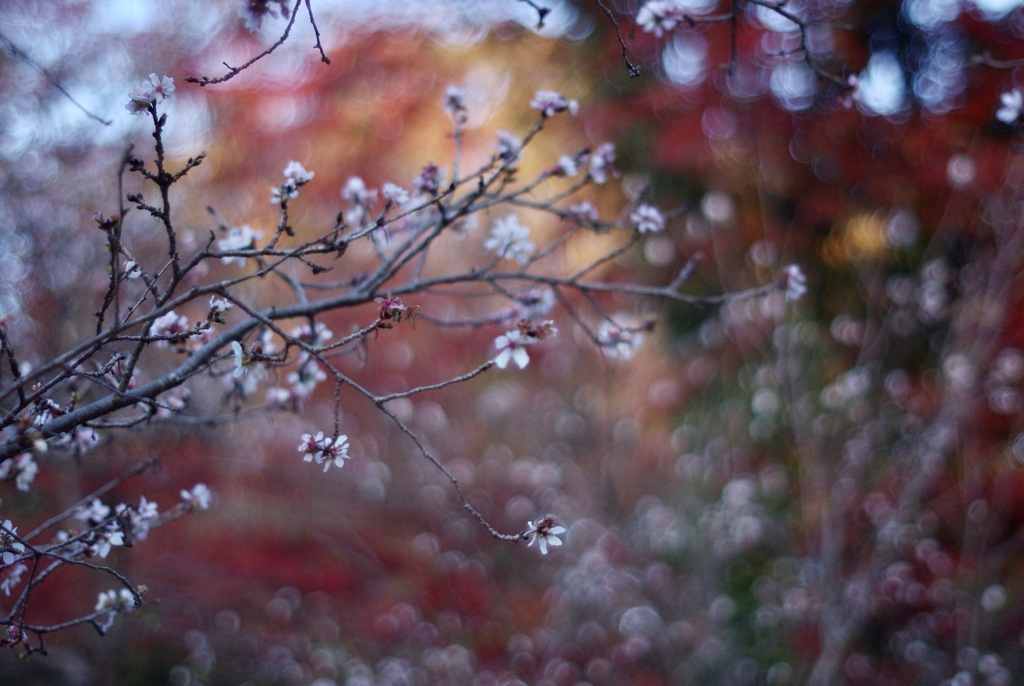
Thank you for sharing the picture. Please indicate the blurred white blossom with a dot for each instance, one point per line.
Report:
(1012, 102)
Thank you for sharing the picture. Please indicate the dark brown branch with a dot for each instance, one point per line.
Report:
(634, 70)
(235, 71)
(542, 12)
(323, 56)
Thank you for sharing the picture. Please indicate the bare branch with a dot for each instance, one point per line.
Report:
(24, 57)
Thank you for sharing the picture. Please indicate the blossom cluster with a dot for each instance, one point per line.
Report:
(304, 380)
(106, 532)
(167, 326)
(238, 238)
(295, 177)
(647, 219)
(23, 468)
(659, 16)
(619, 342)
(550, 103)
(508, 146)
(107, 528)
(112, 600)
(326, 451)
(249, 370)
(429, 180)
(313, 334)
(510, 240)
(602, 163)
(361, 198)
(152, 91)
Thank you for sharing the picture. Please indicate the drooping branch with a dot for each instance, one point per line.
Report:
(235, 71)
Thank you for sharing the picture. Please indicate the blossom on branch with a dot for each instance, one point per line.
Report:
(294, 171)
(279, 194)
(337, 453)
(81, 439)
(10, 547)
(394, 194)
(393, 310)
(647, 219)
(140, 519)
(509, 146)
(139, 100)
(618, 342)
(12, 576)
(311, 444)
(455, 104)
(161, 87)
(155, 90)
(295, 176)
(219, 305)
(113, 600)
(550, 103)
(109, 538)
(168, 325)
(175, 400)
(512, 348)
(794, 282)
(356, 192)
(24, 469)
(304, 381)
(545, 533)
(429, 181)
(602, 163)
(313, 334)
(94, 513)
(583, 212)
(361, 197)
(200, 496)
(326, 451)
(537, 331)
(509, 240)
(278, 396)
(566, 166)
(659, 16)
(238, 238)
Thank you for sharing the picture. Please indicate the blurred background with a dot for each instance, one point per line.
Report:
(766, 493)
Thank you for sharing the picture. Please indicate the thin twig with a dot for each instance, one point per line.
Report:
(24, 57)
(633, 69)
(235, 71)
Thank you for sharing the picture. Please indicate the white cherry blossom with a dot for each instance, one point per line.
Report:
(545, 533)
(511, 346)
